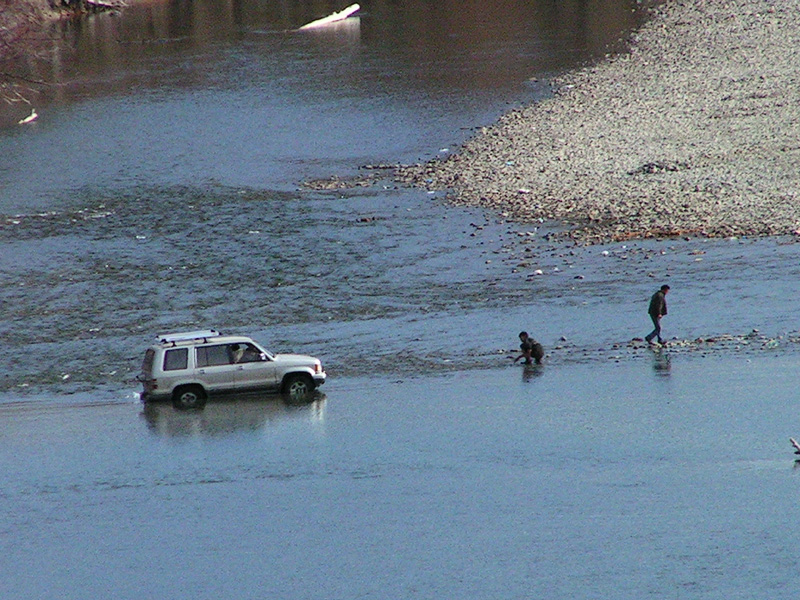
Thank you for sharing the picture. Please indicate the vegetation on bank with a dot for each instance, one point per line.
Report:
(21, 23)
(24, 34)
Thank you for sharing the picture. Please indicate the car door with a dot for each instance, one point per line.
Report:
(255, 369)
(214, 367)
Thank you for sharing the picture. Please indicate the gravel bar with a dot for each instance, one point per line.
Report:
(695, 130)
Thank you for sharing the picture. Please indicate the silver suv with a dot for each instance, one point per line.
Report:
(186, 367)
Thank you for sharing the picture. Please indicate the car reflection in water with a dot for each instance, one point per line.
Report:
(234, 413)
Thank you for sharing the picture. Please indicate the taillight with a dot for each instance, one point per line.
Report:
(318, 367)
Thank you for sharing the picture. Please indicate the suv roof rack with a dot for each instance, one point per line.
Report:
(171, 338)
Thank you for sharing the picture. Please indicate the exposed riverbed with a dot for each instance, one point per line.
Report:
(692, 132)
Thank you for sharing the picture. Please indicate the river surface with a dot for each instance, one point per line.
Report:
(627, 481)
(162, 188)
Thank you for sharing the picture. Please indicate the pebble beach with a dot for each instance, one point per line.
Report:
(691, 131)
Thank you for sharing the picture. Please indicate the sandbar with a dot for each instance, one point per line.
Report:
(693, 130)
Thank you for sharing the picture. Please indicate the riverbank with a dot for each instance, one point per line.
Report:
(25, 33)
(692, 132)
(21, 23)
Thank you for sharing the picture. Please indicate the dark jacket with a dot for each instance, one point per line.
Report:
(658, 305)
(537, 351)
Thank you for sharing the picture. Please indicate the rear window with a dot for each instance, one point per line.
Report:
(177, 359)
(147, 363)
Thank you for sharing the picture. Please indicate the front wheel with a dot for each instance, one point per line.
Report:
(189, 397)
(298, 386)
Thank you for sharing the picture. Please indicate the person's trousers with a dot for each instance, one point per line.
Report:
(656, 330)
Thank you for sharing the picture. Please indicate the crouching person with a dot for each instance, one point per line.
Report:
(530, 349)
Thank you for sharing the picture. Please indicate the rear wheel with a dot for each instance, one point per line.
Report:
(298, 385)
(188, 397)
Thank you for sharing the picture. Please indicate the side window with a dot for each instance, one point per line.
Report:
(250, 354)
(177, 359)
(210, 356)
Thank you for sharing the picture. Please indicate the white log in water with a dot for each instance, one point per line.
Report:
(337, 16)
(30, 118)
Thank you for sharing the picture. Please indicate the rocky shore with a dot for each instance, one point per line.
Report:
(694, 131)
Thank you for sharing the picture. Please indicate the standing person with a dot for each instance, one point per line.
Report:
(657, 309)
(530, 349)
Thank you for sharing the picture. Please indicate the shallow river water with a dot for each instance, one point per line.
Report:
(625, 480)
(161, 189)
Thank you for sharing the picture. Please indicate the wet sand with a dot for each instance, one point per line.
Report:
(694, 131)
